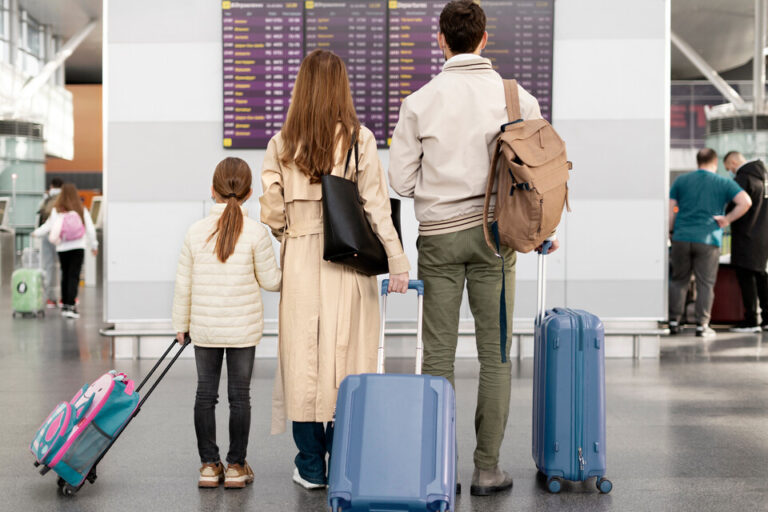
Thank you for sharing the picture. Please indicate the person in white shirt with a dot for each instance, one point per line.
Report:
(440, 156)
(70, 236)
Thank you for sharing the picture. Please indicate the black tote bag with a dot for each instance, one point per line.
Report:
(348, 237)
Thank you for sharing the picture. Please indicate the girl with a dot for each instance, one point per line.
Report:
(67, 228)
(225, 259)
(329, 314)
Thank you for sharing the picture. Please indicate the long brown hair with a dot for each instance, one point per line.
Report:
(69, 201)
(321, 100)
(232, 182)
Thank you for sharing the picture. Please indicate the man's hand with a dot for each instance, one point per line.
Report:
(95, 252)
(180, 337)
(722, 221)
(398, 283)
(555, 246)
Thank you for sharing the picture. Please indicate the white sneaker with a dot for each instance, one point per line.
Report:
(307, 485)
(746, 328)
(705, 331)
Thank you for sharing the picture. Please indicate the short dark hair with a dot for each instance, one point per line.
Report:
(56, 183)
(462, 23)
(705, 156)
(730, 154)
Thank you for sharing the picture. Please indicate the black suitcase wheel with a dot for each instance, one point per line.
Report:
(61, 483)
(554, 484)
(92, 476)
(604, 485)
(68, 490)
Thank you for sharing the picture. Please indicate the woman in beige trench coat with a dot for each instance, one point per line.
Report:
(329, 313)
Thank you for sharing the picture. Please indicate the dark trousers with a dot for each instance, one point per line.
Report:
(754, 286)
(71, 264)
(239, 371)
(701, 259)
(313, 441)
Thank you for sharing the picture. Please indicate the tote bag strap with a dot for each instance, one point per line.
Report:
(349, 157)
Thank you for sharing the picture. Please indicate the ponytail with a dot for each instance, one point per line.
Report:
(231, 181)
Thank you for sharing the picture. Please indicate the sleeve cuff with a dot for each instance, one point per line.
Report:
(399, 264)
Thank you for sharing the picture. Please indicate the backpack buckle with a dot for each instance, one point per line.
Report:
(504, 126)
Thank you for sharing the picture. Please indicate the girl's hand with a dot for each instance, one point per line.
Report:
(398, 283)
(180, 337)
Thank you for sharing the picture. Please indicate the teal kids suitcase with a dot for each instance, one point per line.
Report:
(27, 297)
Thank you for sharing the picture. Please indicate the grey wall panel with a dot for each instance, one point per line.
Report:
(150, 21)
(168, 161)
(607, 299)
(615, 159)
(610, 19)
(139, 301)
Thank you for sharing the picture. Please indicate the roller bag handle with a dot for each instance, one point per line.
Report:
(413, 284)
(541, 291)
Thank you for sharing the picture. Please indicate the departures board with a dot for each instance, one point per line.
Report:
(389, 47)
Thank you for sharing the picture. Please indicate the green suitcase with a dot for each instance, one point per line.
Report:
(27, 295)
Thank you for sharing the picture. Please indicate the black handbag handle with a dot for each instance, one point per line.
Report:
(349, 157)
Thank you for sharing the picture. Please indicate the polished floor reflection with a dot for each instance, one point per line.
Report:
(689, 432)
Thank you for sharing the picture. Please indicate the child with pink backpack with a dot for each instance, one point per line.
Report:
(70, 229)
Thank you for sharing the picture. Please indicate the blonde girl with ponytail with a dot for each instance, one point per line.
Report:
(226, 259)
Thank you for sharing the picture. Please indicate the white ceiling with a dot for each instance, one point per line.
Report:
(720, 30)
(67, 17)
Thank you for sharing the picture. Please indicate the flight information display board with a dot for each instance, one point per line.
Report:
(389, 48)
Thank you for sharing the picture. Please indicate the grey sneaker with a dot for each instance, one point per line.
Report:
(674, 327)
(489, 481)
(705, 331)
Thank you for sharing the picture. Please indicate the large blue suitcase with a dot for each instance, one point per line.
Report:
(568, 395)
(394, 442)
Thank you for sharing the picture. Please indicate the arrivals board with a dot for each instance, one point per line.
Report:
(389, 48)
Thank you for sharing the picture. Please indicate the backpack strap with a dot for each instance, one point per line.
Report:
(488, 193)
(512, 99)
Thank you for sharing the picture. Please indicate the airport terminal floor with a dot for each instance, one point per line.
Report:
(686, 433)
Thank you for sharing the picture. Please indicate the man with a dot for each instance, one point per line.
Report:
(48, 250)
(701, 197)
(440, 155)
(749, 240)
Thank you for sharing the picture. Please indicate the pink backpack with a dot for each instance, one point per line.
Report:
(72, 227)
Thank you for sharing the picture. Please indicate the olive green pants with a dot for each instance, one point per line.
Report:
(445, 263)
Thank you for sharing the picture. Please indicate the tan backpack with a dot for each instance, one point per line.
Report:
(533, 187)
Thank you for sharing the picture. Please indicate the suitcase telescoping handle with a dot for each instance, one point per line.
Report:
(541, 294)
(412, 285)
(187, 341)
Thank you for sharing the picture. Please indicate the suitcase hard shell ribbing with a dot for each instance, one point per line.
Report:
(568, 395)
(105, 408)
(394, 444)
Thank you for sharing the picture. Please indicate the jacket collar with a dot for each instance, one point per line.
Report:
(467, 62)
(218, 209)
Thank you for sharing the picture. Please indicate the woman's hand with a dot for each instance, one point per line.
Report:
(398, 283)
(180, 336)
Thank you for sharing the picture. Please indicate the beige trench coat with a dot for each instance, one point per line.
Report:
(329, 314)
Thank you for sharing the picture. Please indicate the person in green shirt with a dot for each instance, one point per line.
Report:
(697, 217)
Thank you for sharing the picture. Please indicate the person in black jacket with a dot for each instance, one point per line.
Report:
(749, 242)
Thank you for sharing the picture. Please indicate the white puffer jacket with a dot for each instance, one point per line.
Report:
(219, 304)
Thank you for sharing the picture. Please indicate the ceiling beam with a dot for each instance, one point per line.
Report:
(709, 72)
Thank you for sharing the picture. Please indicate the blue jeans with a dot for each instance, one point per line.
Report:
(239, 371)
(313, 442)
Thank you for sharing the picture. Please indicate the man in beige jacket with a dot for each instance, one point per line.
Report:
(440, 156)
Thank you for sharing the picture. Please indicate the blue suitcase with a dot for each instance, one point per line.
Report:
(568, 394)
(394, 442)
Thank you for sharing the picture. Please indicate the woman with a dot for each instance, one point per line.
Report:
(329, 313)
(70, 229)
